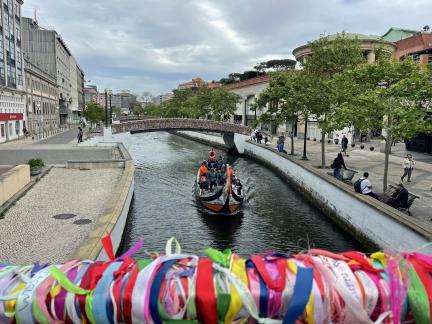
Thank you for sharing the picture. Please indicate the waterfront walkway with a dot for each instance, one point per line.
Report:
(54, 150)
(362, 160)
(30, 230)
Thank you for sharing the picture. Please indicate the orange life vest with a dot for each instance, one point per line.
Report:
(203, 170)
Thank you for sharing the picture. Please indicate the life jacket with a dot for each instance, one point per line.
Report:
(203, 170)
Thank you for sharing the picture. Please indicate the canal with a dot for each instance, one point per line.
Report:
(274, 217)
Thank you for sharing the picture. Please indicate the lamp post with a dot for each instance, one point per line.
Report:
(39, 120)
(106, 108)
(388, 135)
(110, 95)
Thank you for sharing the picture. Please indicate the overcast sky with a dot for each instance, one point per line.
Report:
(152, 45)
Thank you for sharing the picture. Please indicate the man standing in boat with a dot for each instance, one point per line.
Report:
(212, 158)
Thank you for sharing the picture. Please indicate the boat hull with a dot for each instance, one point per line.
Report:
(222, 201)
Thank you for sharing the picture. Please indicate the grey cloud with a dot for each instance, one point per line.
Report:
(155, 44)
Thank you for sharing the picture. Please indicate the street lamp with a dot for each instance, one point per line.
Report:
(106, 108)
(110, 95)
(39, 119)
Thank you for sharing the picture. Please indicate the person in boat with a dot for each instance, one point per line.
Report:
(230, 173)
(238, 186)
(203, 185)
(212, 179)
(203, 170)
(211, 158)
(221, 178)
(219, 163)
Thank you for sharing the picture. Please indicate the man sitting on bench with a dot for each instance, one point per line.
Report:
(399, 198)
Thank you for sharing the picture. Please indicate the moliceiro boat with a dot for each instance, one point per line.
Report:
(221, 193)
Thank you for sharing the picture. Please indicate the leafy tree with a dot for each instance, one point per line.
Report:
(138, 110)
(94, 113)
(328, 57)
(153, 110)
(146, 97)
(222, 103)
(116, 111)
(276, 65)
(391, 96)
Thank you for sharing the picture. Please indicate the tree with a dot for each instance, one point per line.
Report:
(222, 103)
(138, 110)
(276, 65)
(153, 110)
(391, 96)
(116, 111)
(328, 57)
(94, 113)
(146, 97)
(290, 95)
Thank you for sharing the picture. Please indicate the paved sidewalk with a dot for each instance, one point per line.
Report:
(30, 230)
(363, 160)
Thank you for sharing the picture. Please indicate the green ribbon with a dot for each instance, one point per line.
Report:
(418, 298)
(222, 258)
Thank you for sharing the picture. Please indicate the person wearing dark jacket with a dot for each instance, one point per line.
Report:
(344, 144)
(212, 178)
(337, 165)
(399, 198)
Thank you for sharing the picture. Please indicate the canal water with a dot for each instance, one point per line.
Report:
(274, 216)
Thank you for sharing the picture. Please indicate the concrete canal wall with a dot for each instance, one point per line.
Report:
(373, 223)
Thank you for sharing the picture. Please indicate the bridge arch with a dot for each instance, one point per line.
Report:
(230, 131)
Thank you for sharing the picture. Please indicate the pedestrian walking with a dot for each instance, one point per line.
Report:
(259, 137)
(408, 166)
(337, 165)
(344, 144)
(80, 135)
(253, 135)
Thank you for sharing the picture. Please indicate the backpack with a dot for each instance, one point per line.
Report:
(357, 185)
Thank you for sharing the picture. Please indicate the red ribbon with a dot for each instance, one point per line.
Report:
(270, 283)
(127, 295)
(205, 293)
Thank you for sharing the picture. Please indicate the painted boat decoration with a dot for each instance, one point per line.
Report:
(225, 198)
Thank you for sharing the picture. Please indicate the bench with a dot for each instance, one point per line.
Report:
(411, 197)
(346, 175)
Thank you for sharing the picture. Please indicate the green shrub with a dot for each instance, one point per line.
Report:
(35, 163)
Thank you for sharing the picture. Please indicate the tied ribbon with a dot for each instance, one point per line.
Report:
(205, 293)
(301, 294)
(278, 285)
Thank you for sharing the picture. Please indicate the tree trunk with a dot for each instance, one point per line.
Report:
(323, 162)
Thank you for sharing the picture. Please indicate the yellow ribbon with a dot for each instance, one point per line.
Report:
(236, 304)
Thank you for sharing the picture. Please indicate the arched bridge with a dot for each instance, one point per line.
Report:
(160, 124)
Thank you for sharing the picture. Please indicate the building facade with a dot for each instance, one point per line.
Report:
(160, 99)
(42, 108)
(90, 94)
(12, 95)
(80, 89)
(45, 48)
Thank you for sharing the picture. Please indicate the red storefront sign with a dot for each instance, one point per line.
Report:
(10, 116)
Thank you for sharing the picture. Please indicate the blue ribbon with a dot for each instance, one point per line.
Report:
(102, 308)
(263, 300)
(155, 288)
(301, 294)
